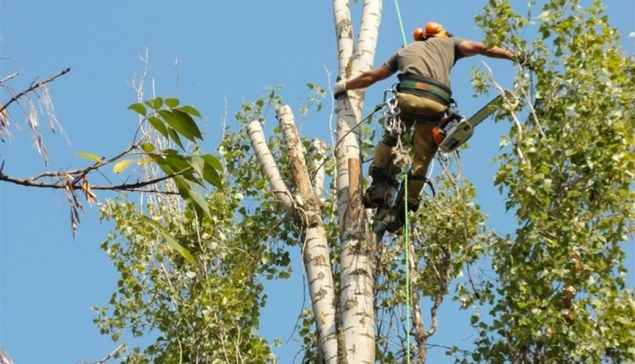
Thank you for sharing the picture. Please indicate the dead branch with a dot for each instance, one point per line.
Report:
(110, 355)
(34, 86)
(136, 187)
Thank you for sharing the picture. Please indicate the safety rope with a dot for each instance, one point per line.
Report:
(403, 33)
(406, 222)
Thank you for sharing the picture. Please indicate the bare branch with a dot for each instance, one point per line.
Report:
(31, 182)
(34, 86)
(264, 156)
(4, 358)
(110, 355)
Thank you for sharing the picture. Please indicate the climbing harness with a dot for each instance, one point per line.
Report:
(426, 87)
(394, 128)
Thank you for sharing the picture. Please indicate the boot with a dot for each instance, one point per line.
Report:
(394, 218)
(377, 195)
(381, 190)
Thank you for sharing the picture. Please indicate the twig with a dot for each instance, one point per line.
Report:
(7, 78)
(34, 85)
(111, 354)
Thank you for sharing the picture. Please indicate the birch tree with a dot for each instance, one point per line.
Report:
(557, 294)
(453, 236)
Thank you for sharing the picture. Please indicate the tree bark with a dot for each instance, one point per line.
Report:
(315, 251)
(356, 297)
(265, 158)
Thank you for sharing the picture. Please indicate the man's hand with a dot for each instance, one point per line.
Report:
(340, 88)
(524, 60)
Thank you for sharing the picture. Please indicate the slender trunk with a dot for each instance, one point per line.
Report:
(266, 160)
(315, 251)
(356, 297)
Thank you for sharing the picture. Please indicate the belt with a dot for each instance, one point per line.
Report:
(424, 86)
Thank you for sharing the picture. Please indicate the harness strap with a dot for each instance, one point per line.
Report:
(424, 119)
(424, 86)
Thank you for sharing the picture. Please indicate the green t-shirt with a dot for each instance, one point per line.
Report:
(432, 58)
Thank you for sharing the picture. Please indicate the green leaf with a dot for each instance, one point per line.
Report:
(147, 147)
(190, 124)
(212, 177)
(183, 187)
(182, 123)
(176, 161)
(90, 156)
(190, 110)
(199, 201)
(171, 102)
(174, 136)
(121, 166)
(213, 162)
(198, 163)
(155, 103)
(138, 108)
(171, 241)
(159, 126)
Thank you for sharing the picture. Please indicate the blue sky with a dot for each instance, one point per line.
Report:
(228, 53)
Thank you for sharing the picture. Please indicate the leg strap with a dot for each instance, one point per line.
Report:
(389, 139)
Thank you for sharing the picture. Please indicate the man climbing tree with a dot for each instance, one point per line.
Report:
(424, 95)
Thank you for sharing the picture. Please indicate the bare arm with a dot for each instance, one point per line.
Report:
(470, 48)
(368, 78)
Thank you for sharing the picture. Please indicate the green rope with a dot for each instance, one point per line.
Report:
(403, 33)
(406, 222)
(407, 254)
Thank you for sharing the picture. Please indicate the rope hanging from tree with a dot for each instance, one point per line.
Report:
(406, 221)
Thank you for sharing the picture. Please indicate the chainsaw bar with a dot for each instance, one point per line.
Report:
(486, 110)
(458, 130)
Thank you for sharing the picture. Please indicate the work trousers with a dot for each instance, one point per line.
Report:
(424, 114)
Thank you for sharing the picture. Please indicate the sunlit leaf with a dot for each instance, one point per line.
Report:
(171, 102)
(146, 160)
(147, 147)
(159, 126)
(121, 166)
(90, 156)
(138, 108)
(190, 110)
(155, 103)
(198, 163)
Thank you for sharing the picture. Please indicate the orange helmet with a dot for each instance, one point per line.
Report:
(432, 29)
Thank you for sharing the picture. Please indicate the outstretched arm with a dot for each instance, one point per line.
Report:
(470, 48)
(368, 78)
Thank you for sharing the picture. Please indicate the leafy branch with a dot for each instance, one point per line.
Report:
(189, 171)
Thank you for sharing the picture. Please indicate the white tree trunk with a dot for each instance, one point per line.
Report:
(317, 156)
(356, 298)
(265, 158)
(315, 249)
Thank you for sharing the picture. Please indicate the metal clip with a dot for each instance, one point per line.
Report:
(391, 112)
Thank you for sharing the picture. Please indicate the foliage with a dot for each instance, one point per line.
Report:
(186, 308)
(560, 294)
(184, 301)
(566, 168)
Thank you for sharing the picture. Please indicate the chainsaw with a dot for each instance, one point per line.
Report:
(454, 130)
